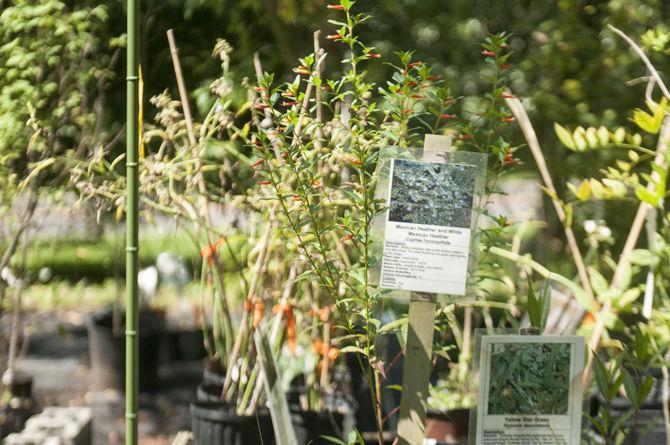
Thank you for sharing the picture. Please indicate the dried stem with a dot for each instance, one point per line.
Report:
(174, 51)
(645, 59)
(529, 133)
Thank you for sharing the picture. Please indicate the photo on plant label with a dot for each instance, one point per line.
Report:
(432, 193)
(529, 378)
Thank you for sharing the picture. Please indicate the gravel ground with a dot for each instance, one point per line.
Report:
(56, 356)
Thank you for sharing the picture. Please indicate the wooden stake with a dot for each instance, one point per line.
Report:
(419, 346)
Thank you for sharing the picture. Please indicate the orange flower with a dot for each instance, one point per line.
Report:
(258, 314)
(323, 313)
(291, 331)
(323, 349)
(209, 252)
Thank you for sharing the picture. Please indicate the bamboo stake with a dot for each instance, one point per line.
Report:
(132, 203)
(531, 138)
(666, 400)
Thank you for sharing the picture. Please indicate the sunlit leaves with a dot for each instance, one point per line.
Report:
(651, 123)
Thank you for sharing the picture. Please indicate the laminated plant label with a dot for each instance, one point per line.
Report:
(428, 227)
(530, 390)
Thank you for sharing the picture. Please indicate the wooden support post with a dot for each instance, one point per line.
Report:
(419, 345)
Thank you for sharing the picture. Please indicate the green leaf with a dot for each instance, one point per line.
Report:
(564, 136)
(352, 349)
(642, 257)
(629, 385)
(602, 374)
(538, 308)
(598, 282)
(579, 136)
(592, 137)
(603, 135)
(392, 325)
(645, 195)
(619, 135)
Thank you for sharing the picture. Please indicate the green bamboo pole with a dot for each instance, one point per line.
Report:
(132, 142)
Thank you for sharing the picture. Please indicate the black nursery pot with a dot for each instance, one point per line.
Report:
(213, 372)
(310, 426)
(209, 392)
(185, 344)
(216, 423)
(107, 352)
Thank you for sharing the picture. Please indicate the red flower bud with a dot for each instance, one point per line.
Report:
(508, 96)
(374, 55)
(264, 182)
(346, 238)
(339, 7)
(414, 64)
(447, 116)
(334, 37)
(290, 103)
(489, 53)
(510, 161)
(505, 66)
(411, 84)
(433, 77)
(508, 119)
(407, 110)
(356, 162)
(258, 163)
(417, 96)
(259, 89)
(465, 137)
(261, 106)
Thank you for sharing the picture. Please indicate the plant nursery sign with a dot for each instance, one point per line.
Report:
(530, 390)
(427, 233)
